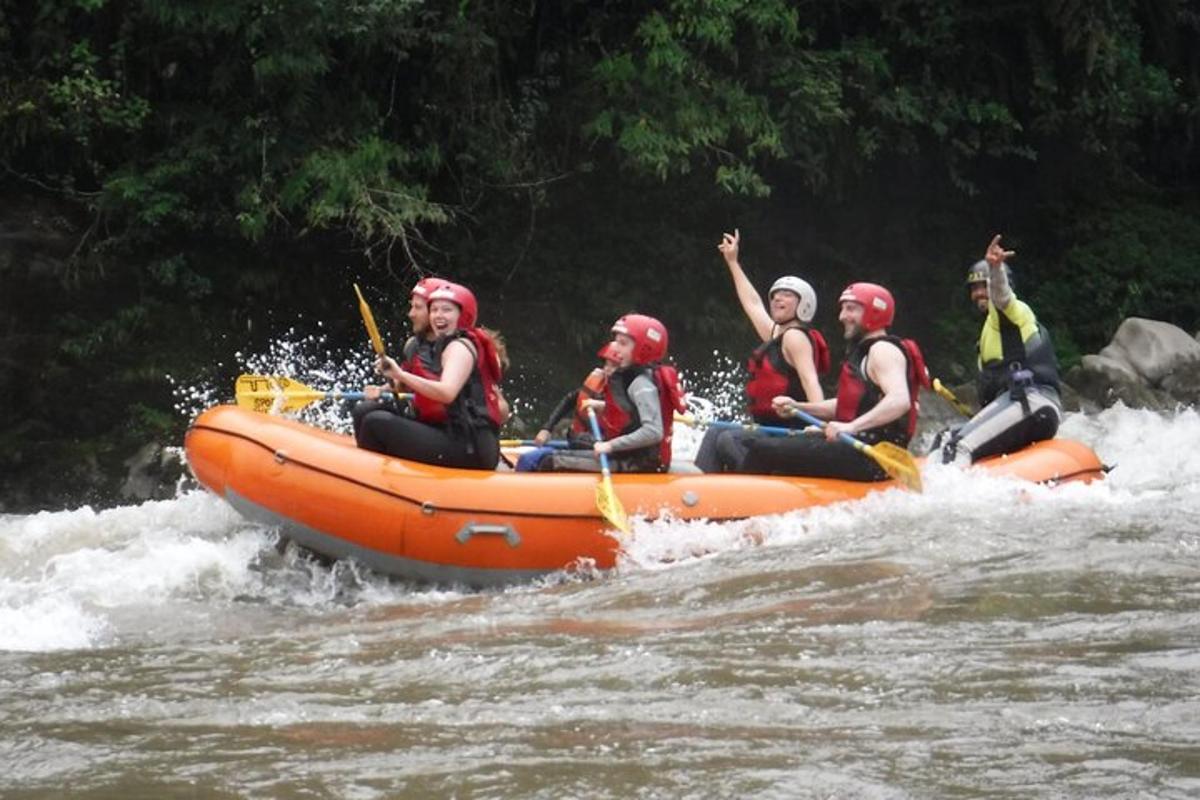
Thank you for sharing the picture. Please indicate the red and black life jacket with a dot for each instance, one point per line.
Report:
(422, 357)
(593, 389)
(771, 376)
(620, 415)
(478, 403)
(857, 394)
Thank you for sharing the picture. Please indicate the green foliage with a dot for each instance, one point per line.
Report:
(1140, 257)
(737, 87)
(356, 186)
(685, 93)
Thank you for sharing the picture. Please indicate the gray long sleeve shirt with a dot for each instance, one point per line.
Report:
(644, 396)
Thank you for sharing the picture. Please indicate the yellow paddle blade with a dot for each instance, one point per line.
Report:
(369, 321)
(610, 506)
(896, 462)
(271, 394)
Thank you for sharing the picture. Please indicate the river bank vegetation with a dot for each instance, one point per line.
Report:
(181, 180)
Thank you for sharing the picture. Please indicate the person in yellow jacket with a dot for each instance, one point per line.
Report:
(1018, 382)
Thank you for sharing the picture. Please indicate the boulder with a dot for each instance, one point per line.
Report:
(1148, 364)
(936, 414)
(1183, 384)
(153, 473)
(1071, 400)
(1100, 385)
(1152, 348)
(1111, 365)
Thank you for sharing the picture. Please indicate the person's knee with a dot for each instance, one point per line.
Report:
(1044, 423)
(375, 429)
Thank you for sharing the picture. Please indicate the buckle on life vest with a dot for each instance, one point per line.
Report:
(1020, 381)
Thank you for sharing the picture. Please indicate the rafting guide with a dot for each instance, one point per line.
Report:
(1018, 384)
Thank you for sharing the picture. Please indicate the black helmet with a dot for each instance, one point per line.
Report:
(978, 273)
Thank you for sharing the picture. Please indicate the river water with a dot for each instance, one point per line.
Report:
(985, 639)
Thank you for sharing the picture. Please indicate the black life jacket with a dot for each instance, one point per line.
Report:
(478, 403)
(422, 357)
(994, 376)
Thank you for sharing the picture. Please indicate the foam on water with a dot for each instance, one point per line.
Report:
(62, 572)
(1151, 454)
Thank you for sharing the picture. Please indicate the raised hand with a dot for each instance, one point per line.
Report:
(997, 255)
(729, 246)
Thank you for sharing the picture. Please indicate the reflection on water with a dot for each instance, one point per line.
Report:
(982, 639)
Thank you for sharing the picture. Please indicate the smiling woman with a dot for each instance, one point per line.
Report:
(456, 395)
(792, 355)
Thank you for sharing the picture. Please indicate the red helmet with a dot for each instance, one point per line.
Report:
(648, 334)
(425, 286)
(462, 297)
(879, 309)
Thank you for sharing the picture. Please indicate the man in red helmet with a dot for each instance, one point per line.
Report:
(636, 410)
(876, 398)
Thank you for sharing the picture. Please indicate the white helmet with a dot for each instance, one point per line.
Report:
(806, 309)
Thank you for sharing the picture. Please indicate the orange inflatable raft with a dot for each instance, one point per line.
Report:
(479, 529)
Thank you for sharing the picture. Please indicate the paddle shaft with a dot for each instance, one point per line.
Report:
(770, 430)
(318, 395)
(363, 396)
(951, 398)
(820, 423)
(604, 470)
(557, 444)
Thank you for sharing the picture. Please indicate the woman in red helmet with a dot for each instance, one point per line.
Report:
(456, 397)
(876, 398)
(636, 410)
(792, 355)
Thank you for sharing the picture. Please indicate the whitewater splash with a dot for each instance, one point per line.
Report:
(84, 578)
(308, 359)
(1151, 455)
